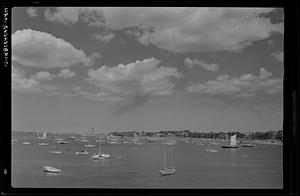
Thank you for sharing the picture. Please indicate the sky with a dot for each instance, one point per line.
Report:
(147, 69)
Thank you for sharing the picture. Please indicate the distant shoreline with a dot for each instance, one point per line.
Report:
(267, 142)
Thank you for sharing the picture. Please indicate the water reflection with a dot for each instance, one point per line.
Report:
(52, 174)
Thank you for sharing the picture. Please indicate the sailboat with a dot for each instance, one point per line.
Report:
(90, 145)
(167, 170)
(43, 137)
(55, 151)
(232, 143)
(100, 155)
(248, 143)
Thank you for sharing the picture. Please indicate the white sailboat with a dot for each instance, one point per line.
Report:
(43, 137)
(167, 170)
(232, 143)
(100, 155)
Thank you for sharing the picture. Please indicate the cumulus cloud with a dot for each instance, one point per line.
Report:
(106, 38)
(63, 15)
(91, 60)
(277, 56)
(246, 85)
(66, 73)
(40, 49)
(42, 76)
(133, 84)
(180, 29)
(32, 12)
(191, 63)
(138, 78)
(23, 84)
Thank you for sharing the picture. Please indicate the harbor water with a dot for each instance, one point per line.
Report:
(137, 166)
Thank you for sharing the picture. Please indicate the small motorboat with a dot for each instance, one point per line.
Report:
(211, 150)
(82, 152)
(89, 145)
(51, 169)
(56, 152)
(63, 142)
(43, 144)
(26, 143)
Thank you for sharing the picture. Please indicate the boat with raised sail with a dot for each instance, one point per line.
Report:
(232, 143)
(167, 170)
(100, 155)
(43, 137)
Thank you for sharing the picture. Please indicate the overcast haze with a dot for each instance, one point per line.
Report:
(202, 69)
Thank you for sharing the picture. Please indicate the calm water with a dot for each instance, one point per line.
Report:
(138, 166)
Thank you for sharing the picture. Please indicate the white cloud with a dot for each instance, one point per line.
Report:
(76, 88)
(104, 38)
(246, 85)
(23, 84)
(134, 79)
(180, 29)
(42, 75)
(191, 63)
(91, 60)
(40, 49)
(277, 56)
(32, 12)
(66, 73)
(63, 15)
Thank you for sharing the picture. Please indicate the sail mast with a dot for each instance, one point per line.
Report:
(165, 157)
(99, 146)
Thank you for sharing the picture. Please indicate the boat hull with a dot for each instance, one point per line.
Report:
(82, 153)
(100, 156)
(229, 146)
(169, 171)
(51, 169)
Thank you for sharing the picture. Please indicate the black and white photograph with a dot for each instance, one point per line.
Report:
(147, 97)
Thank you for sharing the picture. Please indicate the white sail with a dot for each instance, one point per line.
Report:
(45, 134)
(233, 140)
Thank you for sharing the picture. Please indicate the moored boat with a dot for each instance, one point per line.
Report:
(82, 152)
(167, 170)
(51, 169)
(232, 143)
